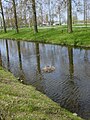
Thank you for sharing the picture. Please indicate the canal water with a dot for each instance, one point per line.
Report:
(68, 84)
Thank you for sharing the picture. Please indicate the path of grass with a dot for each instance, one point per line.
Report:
(59, 35)
(21, 102)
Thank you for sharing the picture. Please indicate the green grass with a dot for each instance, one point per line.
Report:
(82, 24)
(57, 35)
(21, 102)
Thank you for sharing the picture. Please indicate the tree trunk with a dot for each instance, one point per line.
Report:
(4, 25)
(15, 16)
(34, 16)
(85, 12)
(59, 16)
(41, 10)
(49, 8)
(69, 16)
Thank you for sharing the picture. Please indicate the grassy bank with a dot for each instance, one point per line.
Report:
(58, 35)
(21, 102)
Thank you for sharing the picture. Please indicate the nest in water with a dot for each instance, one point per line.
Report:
(48, 69)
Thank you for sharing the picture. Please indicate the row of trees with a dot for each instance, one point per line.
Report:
(21, 13)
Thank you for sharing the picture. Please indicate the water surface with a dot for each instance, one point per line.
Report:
(68, 85)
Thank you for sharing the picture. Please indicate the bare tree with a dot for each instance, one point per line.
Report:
(4, 25)
(85, 12)
(15, 16)
(69, 16)
(60, 8)
(49, 8)
(34, 16)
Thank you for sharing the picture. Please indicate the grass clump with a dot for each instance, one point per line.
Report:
(21, 102)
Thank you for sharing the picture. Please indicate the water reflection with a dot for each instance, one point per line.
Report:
(68, 85)
(19, 55)
(38, 58)
(7, 51)
(71, 65)
(39, 75)
(21, 73)
(0, 59)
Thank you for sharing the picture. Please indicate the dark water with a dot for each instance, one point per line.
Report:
(68, 85)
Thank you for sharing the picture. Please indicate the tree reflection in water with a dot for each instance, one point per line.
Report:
(7, 51)
(21, 75)
(0, 59)
(39, 74)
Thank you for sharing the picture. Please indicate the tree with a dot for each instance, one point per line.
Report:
(85, 2)
(49, 8)
(4, 25)
(39, 8)
(84, 11)
(8, 12)
(34, 16)
(15, 16)
(60, 8)
(1, 26)
(69, 16)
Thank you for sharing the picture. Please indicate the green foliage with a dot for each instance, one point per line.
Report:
(21, 102)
